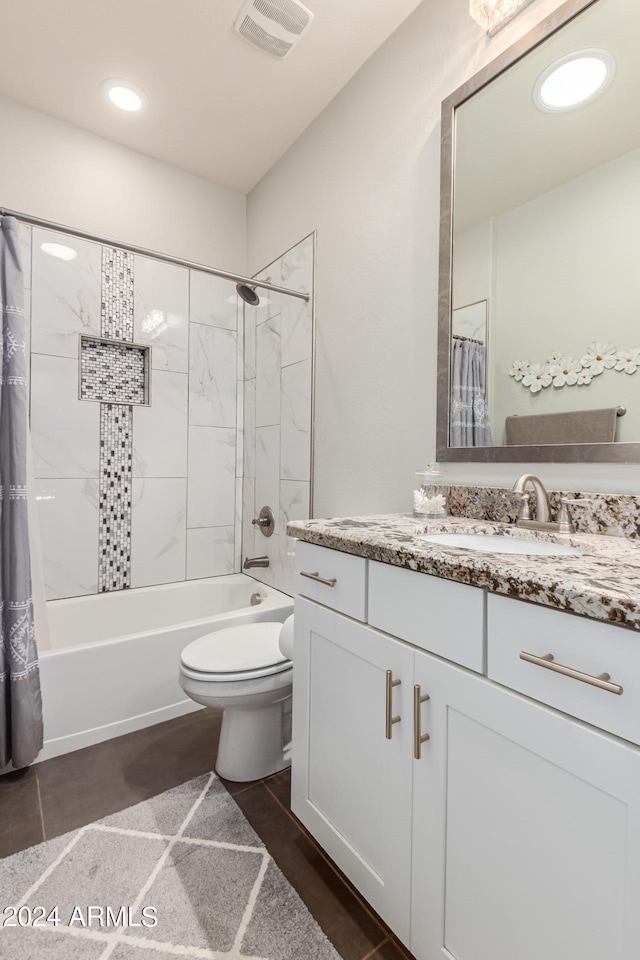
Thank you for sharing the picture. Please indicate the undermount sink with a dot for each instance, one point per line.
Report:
(497, 543)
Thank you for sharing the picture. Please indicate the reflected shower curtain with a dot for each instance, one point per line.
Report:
(469, 414)
(20, 698)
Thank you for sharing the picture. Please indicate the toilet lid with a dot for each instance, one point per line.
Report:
(241, 649)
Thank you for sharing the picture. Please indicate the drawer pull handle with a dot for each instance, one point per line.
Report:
(602, 681)
(314, 576)
(418, 736)
(390, 720)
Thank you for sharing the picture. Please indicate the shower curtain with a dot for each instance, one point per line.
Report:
(20, 698)
(469, 414)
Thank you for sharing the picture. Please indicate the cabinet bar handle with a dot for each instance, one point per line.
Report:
(418, 737)
(314, 576)
(390, 720)
(602, 681)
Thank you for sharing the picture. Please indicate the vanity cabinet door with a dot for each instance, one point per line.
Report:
(539, 824)
(351, 786)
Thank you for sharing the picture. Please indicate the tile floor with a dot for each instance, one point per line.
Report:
(58, 795)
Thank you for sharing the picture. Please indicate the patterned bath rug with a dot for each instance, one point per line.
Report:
(180, 875)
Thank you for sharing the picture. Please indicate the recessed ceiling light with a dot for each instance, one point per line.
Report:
(59, 250)
(574, 80)
(124, 95)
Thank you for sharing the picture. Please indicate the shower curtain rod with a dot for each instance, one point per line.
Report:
(166, 258)
(457, 336)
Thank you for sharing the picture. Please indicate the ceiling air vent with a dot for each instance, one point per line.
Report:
(275, 26)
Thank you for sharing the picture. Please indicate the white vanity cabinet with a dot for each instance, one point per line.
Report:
(516, 833)
(535, 819)
(353, 718)
(351, 786)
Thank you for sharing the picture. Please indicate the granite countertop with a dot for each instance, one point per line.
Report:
(602, 583)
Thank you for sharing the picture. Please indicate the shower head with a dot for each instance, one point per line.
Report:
(248, 294)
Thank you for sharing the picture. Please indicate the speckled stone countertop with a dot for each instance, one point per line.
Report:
(602, 583)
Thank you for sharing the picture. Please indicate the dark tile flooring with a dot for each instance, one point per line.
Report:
(65, 793)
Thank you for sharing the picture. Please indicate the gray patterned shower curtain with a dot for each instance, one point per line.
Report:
(20, 698)
(469, 414)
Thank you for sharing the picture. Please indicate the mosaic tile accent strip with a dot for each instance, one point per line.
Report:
(117, 294)
(113, 372)
(116, 419)
(116, 455)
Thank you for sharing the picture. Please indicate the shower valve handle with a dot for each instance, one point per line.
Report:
(265, 521)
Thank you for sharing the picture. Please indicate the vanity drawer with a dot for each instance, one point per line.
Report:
(589, 647)
(348, 594)
(441, 616)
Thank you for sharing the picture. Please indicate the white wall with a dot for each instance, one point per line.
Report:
(559, 273)
(566, 275)
(473, 265)
(365, 174)
(57, 172)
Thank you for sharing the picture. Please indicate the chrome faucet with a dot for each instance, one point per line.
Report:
(255, 562)
(543, 510)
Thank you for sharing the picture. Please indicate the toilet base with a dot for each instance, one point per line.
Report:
(261, 732)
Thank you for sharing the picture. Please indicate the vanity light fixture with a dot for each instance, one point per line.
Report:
(492, 15)
(59, 250)
(574, 80)
(124, 95)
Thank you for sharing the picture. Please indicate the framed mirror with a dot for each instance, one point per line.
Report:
(539, 305)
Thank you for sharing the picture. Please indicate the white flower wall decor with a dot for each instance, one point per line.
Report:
(564, 371)
(537, 376)
(599, 357)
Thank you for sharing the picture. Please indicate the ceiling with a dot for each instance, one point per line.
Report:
(219, 107)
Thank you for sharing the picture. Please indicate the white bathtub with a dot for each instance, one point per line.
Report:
(113, 663)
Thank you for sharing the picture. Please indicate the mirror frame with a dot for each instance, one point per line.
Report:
(557, 453)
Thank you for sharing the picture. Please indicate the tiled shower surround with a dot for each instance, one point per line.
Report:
(131, 494)
(277, 412)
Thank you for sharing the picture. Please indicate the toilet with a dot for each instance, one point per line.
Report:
(247, 671)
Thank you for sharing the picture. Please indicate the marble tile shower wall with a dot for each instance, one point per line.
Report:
(178, 460)
(278, 412)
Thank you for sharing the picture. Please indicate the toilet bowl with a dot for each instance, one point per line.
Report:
(243, 671)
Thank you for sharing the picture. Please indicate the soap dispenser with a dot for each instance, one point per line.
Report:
(430, 497)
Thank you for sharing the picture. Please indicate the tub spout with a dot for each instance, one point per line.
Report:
(255, 562)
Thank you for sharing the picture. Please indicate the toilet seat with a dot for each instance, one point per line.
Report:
(244, 652)
(241, 671)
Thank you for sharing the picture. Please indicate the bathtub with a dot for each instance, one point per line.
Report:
(113, 662)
